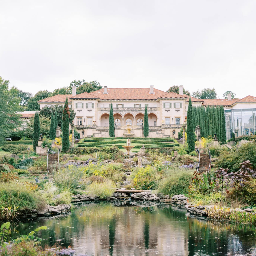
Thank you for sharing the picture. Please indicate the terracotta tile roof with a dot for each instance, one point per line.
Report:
(60, 98)
(128, 94)
(219, 102)
(248, 98)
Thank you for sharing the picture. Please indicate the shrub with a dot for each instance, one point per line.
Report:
(17, 196)
(101, 190)
(176, 183)
(146, 178)
(232, 159)
(68, 178)
(245, 194)
(51, 195)
(16, 149)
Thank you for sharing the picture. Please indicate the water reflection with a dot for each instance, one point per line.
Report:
(103, 229)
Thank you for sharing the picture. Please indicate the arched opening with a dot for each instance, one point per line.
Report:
(128, 119)
(118, 120)
(152, 119)
(104, 120)
(139, 119)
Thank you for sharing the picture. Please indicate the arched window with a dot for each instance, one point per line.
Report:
(128, 121)
(117, 122)
(139, 121)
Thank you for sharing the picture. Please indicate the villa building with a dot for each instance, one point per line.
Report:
(167, 112)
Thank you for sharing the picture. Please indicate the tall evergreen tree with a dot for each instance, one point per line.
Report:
(111, 122)
(223, 125)
(52, 127)
(145, 124)
(36, 132)
(190, 131)
(65, 127)
(56, 121)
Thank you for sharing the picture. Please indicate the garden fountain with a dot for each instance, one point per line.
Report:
(128, 146)
(129, 132)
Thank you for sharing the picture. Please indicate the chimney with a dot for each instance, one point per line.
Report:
(181, 89)
(229, 96)
(73, 90)
(151, 89)
(105, 90)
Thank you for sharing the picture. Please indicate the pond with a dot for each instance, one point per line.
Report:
(104, 229)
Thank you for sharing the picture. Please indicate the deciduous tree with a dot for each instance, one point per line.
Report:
(175, 88)
(206, 93)
(9, 105)
(225, 95)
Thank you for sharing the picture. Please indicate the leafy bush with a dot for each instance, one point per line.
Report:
(102, 190)
(24, 164)
(245, 194)
(51, 195)
(17, 196)
(69, 178)
(216, 151)
(232, 159)
(146, 178)
(176, 183)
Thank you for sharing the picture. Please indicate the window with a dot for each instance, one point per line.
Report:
(139, 121)
(167, 120)
(79, 120)
(177, 120)
(177, 105)
(117, 122)
(89, 121)
(89, 105)
(79, 105)
(128, 121)
(167, 105)
(119, 105)
(69, 106)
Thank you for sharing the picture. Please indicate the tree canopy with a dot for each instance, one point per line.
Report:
(206, 93)
(175, 88)
(225, 95)
(9, 105)
(83, 86)
(58, 109)
(32, 104)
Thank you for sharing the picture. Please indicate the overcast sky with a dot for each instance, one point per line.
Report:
(45, 45)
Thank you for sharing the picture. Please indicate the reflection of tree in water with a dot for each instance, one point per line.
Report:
(112, 233)
(142, 230)
(219, 238)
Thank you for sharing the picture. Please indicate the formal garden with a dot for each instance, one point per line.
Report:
(94, 170)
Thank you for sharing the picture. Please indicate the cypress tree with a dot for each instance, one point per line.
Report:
(145, 124)
(65, 128)
(223, 125)
(218, 123)
(111, 122)
(52, 127)
(36, 132)
(190, 131)
(56, 121)
(202, 121)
